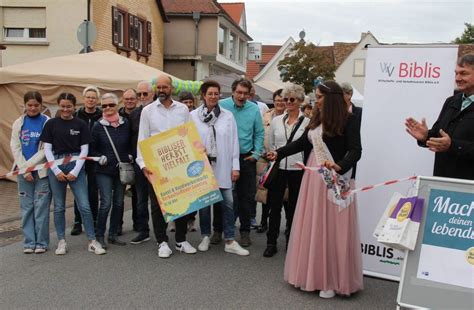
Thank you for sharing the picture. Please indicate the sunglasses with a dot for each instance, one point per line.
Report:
(110, 105)
(145, 94)
(291, 100)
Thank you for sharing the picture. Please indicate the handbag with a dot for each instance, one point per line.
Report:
(126, 170)
(401, 229)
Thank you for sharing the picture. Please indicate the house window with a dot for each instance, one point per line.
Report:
(241, 51)
(233, 41)
(131, 32)
(359, 67)
(222, 32)
(24, 24)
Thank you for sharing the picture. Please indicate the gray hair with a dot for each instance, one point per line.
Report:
(293, 90)
(147, 83)
(347, 88)
(91, 88)
(467, 59)
(110, 95)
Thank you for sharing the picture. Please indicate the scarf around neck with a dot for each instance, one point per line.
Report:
(113, 120)
(210, 118)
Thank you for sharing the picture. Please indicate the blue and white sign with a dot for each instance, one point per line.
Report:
(447, 250)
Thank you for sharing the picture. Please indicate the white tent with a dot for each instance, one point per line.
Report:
(107, 70)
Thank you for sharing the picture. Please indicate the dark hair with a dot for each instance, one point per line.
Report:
(277, 93)
(467, 59)
(242, 82)
(185, 95)
(32, 95)
(208, 84)
(333, 114)
(67, 96)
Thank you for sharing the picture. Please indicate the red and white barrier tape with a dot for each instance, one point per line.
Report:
(49, 164)
(361, 189)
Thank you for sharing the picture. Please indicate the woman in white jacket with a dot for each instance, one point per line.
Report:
(33, 187)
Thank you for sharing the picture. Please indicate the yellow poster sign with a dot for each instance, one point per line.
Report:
(183, 179)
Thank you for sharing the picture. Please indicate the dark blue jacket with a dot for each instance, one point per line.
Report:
(100, 144)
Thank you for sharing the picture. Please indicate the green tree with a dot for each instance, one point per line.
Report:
(467, 36)
(304, 63)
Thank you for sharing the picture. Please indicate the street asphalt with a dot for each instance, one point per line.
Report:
(134, 277)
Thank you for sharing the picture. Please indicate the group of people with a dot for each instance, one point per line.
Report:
(322, 236)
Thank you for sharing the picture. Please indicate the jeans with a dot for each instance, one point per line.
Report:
(93, 194)
(111, 192)
(226, 206)
(79, 190)
(292, 179)
(142, 216)
(35, 199)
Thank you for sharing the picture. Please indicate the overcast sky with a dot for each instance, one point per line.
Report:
(325, 22)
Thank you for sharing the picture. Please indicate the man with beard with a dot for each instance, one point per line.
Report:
(161, 115)
(140, 220)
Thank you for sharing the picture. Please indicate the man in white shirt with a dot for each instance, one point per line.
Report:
(159, 116)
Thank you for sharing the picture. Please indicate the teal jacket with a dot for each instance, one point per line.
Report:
(249, 126)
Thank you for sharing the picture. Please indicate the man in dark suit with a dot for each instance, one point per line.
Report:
(348, 91)
(452, 136)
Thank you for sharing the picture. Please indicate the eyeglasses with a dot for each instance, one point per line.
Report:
(145, 94)
(110, 105)
(291, 100)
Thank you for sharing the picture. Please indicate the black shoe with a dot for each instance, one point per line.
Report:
(270, 251)
(140, 238)
(119, 231)
(245, 239)
(116, 241)
(216, 237)
(76, 230)
(261, 229)
(102, 242)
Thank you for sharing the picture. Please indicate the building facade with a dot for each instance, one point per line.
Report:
(38, 29)
(202, 39)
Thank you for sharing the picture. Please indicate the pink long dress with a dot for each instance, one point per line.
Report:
(324, 248)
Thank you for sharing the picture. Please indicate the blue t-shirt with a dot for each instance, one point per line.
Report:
(30, 134)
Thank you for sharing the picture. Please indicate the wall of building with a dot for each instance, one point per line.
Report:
(345, 72)
(180, 69)
(63, 17)
(147, 9)
(180, 34)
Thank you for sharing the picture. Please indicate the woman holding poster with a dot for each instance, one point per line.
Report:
(324, 249)
(218, 131)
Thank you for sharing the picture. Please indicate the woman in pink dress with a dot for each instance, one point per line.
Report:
(324, 249)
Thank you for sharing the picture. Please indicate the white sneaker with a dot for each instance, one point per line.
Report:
(62, 247)
(235, 248)
(204, 245)
(40, 250)
(96, 248)
(28, 251)
(164, 250)
(185, 247)
(327, 294)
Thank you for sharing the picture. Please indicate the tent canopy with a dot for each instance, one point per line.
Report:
(107, 70)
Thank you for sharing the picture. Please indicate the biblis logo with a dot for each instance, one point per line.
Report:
(416, 70)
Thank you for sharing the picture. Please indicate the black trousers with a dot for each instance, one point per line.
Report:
(93, 192)
(292, 180)
(244, 197)
(159, 224)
